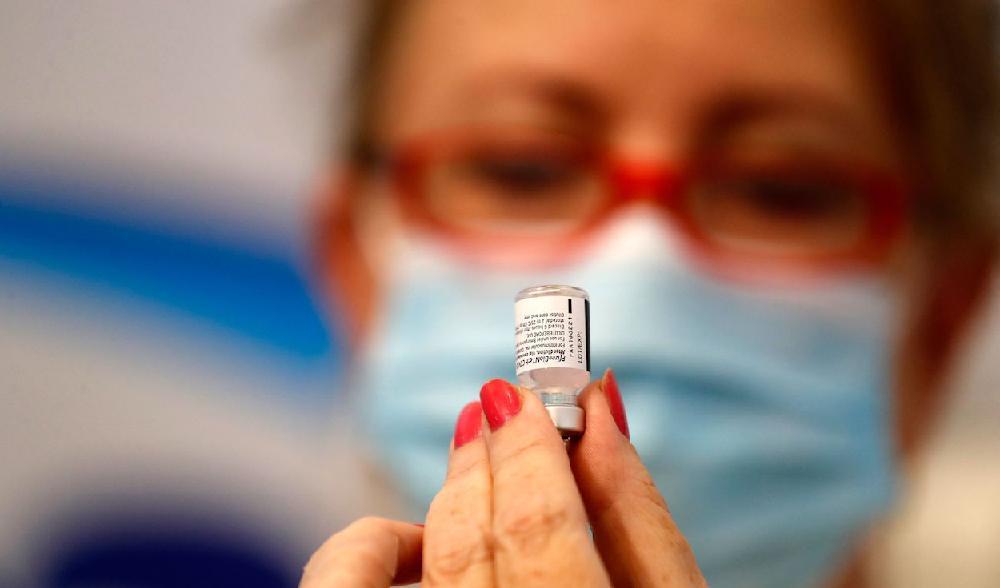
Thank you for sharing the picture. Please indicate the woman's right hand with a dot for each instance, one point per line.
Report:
(515, 509)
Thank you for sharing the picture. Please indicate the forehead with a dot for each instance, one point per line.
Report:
(645, 59)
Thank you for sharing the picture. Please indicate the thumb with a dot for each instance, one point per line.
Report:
(633, 529)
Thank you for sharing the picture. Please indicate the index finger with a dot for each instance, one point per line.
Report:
(456, 539)
(539, 523)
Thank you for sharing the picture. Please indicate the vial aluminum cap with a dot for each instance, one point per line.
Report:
(568, 419)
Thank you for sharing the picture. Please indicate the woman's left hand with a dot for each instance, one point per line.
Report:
(516, 510)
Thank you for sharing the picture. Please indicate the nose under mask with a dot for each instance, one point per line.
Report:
(761, 413)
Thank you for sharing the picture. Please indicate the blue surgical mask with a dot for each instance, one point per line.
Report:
(761, 413)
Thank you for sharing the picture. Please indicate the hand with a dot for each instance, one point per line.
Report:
(514, 509)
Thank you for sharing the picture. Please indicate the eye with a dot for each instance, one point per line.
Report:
(793, 210)
(791, 199)
(522, 174)
(535, 185)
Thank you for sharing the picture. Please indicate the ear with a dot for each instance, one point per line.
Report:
(346, 279)
(954, 286)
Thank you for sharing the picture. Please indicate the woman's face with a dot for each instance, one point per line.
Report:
(650, 81)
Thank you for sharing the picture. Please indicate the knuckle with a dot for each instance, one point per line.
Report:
(461, 470)
(531, 524)
(445, 506)
(459, 501)
(368, 525)
(523, 452)
(465, 541)
(354, 556)
(644, 491)
(449, 560)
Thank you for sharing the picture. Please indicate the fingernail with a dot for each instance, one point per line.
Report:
(421, 525)
(500, 402)
(469, 423)
(614, 398)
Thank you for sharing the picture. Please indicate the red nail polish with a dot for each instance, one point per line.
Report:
(500, 402)
(614, 398)
(469, 423)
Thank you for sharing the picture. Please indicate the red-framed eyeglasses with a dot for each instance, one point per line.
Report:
(504, 195)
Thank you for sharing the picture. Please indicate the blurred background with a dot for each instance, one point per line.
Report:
(169, 371)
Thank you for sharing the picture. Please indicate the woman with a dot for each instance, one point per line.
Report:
(778, 210)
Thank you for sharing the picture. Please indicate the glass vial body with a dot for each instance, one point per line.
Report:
(552, 349)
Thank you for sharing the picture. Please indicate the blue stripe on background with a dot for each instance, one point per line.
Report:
(161, 559)
(261, 296)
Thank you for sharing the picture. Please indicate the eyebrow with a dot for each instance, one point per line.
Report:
(787, 102)
(562, 94)
(735, 106)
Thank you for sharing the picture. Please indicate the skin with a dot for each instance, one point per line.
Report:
(498, 522)
(659, 82)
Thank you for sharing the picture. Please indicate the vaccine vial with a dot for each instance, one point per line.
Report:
(552, 350)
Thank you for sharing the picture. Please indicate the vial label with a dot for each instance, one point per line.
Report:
(552, 331)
